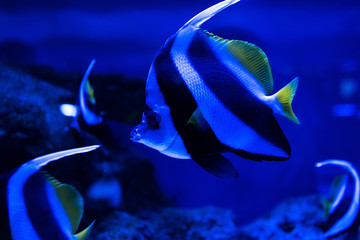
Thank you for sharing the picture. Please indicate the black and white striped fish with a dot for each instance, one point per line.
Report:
(206, 95)
(349, 220)
(40, 207)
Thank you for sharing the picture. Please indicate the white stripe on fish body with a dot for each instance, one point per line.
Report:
(168, 142)
(16, 206)
(272, 102)
(177, 149)
(229, 129)
(154, 96)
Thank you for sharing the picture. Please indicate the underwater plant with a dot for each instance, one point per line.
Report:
(206, 95)
(40, 207)
(348, 219)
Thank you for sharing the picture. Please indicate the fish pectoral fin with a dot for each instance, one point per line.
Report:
(71, 200)
(217, 165)
(84, 234)
(326, 206)
(285, 97)
(198, 120)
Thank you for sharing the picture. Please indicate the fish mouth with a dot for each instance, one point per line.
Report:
(135, 136)
(137, 132)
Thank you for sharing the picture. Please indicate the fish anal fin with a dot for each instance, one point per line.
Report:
(217, 165)
(285, 97)
(71, 201)
(84, 234)
(255, 61)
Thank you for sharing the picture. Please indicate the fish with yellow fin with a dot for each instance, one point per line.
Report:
(40, 207)
(206, 95)
(350, 219)
(83, 112)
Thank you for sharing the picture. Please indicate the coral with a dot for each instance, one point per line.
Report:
(30, 122)
(169, 223)
(296, 218)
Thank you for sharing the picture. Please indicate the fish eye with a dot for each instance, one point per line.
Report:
(152, 119)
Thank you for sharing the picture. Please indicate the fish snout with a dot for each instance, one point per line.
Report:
(137, 132)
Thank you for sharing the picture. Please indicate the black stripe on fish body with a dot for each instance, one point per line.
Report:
(176, 94)
(204, 147)
(233, 94)
(270, 127)
(182, 105)
(38, 208)
(200, 142)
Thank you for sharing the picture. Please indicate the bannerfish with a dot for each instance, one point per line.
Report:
(87, 99)
(206, 95)
(337, 193)
(83, 112)
(350, 221)
(40, 207)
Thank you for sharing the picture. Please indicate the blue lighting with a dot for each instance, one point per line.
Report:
(344, 110)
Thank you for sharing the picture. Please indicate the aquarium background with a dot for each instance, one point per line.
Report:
(315, 40)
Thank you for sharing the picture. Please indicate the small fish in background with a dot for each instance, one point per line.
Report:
(338, 188)
(86, 117)
(350, 220)
(40, 207)
(84, 111)
(206, 95)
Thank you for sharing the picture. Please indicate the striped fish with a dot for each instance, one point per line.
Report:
(40, 207)
(206, 95)
(86, 100)
(83, 112)
(350, 220)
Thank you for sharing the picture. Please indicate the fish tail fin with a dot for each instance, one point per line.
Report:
(43, 160)
(208, 13)
(285, 97)
(85, 233)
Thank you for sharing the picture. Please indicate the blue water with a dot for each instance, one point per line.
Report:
(316, 40)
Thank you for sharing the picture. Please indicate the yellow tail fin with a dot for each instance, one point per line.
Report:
(285, 97)
(85, 233)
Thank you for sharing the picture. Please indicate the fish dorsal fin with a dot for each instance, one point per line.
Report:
(255, 61)
(84, 234)
(208, 13)
(70, 199)
(249, 56)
